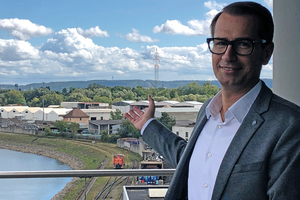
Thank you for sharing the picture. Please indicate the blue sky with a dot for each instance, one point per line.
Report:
(54, 40)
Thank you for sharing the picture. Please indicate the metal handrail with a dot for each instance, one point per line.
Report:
(86, 173)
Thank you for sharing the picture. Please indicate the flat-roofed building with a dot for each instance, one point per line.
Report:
(194, 104)
(140, 104)
(84, 105)
(111, 126)
(123, 106)
(183, 128)
(179, 113)
(166, 104)
(98, 114)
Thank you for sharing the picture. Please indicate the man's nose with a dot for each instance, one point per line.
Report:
(229, 54)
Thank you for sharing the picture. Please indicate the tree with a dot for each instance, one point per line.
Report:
(74, 127)
(116, 115)
(104, 136)
(101, 99)
(193, 88)
(209, 90)
(173, 94)
(71, 89)
(61, 126)
(166, 120)
(76, 97)
(94, 85)
(64, 91)
(35, 102)
(127, 129)
(101, 92)
(52, 99)
(86, 99)
(47, 130)
(3, 100)
(15, 97)
(140, 92)
(160, 98)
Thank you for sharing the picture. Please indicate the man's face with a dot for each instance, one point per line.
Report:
(235, 72)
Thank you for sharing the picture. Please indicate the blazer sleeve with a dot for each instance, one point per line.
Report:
(168, 144)
(164, 141)
(284, 165)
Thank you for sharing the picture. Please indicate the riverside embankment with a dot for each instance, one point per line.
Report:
(70, 152)
(71, 160)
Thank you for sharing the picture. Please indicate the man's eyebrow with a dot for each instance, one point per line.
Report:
(239, 38)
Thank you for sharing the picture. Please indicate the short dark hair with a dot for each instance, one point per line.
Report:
(265, 19)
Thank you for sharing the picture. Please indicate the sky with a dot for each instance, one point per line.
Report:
(73, 40)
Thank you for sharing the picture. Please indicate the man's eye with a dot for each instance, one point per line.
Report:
(243, 44)
(220, 43)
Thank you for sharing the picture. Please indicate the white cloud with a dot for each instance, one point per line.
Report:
(17, 50)
(92, 32)
(68, 41)
(214, 5)
(194, 27)
(135, 36)
(23, 29)
(269, 3)
(119, 72)
(175, 27)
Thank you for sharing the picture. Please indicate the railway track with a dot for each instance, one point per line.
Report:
(112, 186)
(88, 185)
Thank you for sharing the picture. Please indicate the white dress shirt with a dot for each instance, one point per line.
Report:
(214, 141)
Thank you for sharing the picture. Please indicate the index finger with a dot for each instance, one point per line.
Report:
(138, 111)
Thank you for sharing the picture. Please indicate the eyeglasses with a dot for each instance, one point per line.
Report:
(241, 46)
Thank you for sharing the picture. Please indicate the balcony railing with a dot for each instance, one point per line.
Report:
(86, 173)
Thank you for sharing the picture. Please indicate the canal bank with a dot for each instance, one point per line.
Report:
(77, 154)
(74, 162)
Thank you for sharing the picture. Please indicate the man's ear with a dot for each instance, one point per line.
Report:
(267, 53)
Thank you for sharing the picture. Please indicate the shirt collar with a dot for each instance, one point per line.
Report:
(239, 109)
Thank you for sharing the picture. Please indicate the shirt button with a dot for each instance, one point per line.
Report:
(220, 126)
(205, 186)
(209, 155)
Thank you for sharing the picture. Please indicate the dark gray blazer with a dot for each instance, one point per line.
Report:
(262, 161)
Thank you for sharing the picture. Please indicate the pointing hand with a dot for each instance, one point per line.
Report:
(138, 118)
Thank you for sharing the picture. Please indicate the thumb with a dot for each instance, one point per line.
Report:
(151, 108)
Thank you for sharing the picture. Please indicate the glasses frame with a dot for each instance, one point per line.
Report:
(208, 40)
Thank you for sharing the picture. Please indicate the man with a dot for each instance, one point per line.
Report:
(246, 141)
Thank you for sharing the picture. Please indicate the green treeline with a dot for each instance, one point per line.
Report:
(99, 93)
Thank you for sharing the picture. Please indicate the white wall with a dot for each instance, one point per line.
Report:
(182, 131)
(286, 69)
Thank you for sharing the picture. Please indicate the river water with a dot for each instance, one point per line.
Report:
(30, 188)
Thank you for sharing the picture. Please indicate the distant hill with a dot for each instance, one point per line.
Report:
(58, 86)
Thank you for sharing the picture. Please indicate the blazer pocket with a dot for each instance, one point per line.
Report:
(241, 168)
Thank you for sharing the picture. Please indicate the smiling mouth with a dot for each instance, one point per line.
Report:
(230, 68)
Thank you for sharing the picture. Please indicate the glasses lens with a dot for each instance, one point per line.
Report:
(218, 46)
(243, 47)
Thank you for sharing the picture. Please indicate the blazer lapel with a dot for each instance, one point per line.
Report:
(251, 123)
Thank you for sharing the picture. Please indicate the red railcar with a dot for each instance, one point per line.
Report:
(118, 161)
